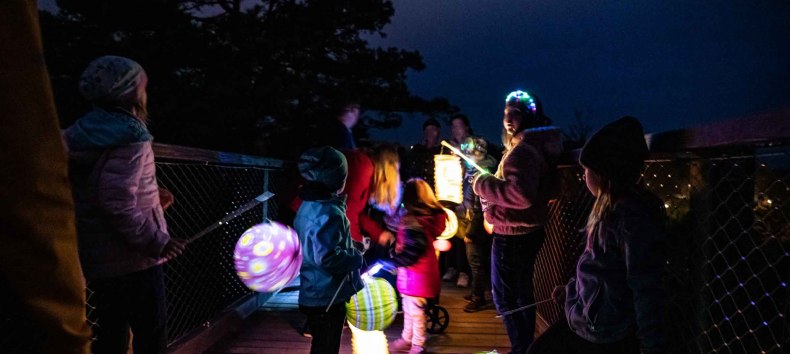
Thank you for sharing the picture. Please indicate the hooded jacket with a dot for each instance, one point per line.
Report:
(516, 197)
(618, 287)
(330, 263)
(329, 259)
(120, 223)
(418, 267)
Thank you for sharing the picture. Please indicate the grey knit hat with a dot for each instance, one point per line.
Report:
(108, 78)
(324, 165)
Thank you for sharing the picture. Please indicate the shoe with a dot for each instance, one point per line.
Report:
(450, 274)
(463, 280)
(469, 297)
(400, 345)
(476, 304)
(305, 332)
(417, 349)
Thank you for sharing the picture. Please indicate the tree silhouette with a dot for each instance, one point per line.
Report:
(247, 76)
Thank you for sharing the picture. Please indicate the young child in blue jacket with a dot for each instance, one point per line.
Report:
(330, 266)
(615, 303)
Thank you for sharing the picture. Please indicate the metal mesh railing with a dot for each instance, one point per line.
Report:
(729, 248)
(202, 283)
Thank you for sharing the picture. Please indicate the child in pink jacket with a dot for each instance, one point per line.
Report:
(418, 267)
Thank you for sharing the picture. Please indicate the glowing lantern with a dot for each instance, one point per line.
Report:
(442, 245)
(267, 257)
(450, 227)
(374, 307)
(368, 342)
(448, 177)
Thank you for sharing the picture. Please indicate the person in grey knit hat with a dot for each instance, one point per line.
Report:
(329, 274)
(622, 264)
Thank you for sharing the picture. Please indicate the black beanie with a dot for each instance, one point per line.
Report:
(325, 166)
(431, 121)
(617, 151)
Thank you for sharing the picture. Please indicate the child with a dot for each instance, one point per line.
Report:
(478, 241)
(418, 268)
(616, 298)
(330, 266)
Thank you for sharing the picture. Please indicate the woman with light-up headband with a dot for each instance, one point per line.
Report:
(515, 200)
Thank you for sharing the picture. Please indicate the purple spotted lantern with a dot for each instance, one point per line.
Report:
(267, 257)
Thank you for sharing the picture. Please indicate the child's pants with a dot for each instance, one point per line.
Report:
(414, 319)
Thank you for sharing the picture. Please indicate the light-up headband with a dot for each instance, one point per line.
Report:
(523, 97)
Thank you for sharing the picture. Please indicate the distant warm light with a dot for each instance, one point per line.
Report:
(770, 202)
(450, 227)
(448, 177)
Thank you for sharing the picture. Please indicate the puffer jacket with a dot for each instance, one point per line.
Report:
(418, 267)
(120, 223)
(617, 287)
(329, 259)
(516, 197)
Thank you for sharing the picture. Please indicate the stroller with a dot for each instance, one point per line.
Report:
(437, 316)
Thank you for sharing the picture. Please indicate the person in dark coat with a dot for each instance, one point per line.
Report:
(615, 303)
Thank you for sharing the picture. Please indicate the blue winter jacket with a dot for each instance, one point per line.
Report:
(329, 259)
(618, 286)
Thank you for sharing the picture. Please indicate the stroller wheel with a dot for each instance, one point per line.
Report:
(438, 319)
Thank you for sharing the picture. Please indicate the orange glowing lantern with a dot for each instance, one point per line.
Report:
(450, 227)
(442, 245)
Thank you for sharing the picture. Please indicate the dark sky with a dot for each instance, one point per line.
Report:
(670, 63)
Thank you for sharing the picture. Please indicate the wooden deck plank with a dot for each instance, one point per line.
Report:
(273, 329)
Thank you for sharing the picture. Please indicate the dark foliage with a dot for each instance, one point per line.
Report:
(245, 76)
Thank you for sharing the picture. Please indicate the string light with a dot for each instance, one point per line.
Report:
(523, 97)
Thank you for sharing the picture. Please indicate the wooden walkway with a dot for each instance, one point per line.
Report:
(273, 329)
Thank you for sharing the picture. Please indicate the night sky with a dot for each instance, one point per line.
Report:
(670, 63)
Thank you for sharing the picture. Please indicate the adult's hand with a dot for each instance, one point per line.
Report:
(558, 294)
(173, 249)
(166, 198)
(386, 238)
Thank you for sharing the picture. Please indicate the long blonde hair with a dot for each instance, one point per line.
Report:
(601, 208)
(419, 199)
(385, 190)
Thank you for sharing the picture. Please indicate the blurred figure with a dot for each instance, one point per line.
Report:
(39, 268)
(337, 131)
(418, 161)
(330, 267)
(515, 200)
(122, 231)
(418, 268)
(623, 261)
(477, 240)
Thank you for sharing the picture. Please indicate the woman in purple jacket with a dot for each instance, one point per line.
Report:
(515, 200)
(122, 234)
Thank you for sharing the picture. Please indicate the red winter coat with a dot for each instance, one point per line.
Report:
(418, 267)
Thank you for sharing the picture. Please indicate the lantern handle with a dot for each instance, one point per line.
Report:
(241, 210)
(463, 156)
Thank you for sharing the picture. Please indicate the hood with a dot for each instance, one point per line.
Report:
(101, 129)
(546, 139)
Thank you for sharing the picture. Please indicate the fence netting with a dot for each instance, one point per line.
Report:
(729, 248)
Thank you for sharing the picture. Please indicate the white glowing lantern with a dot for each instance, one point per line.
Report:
(449, 178)
(450, 227)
